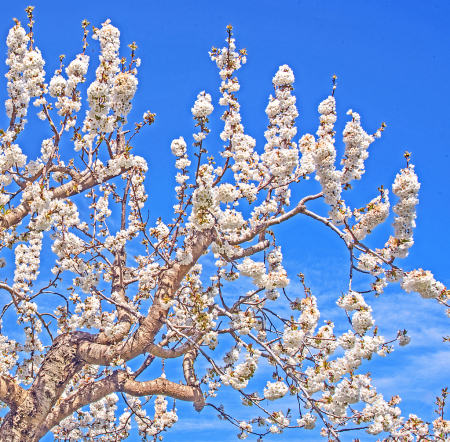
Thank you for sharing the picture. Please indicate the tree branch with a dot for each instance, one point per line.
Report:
(11, 393)
(299, 208)
(74, 187)
(170, 353)
(188, 367)
(259, 247)
(120, 382)
(93, 352)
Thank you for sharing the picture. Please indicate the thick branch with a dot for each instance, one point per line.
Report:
(91, 352)
(188, 367)
(124, 319)
(259, 247)
(76, 176)
(59, 366)
(170, 353)
(71, 351)
(120, 382)
(74, 187)
(164, 387)
(11, 393)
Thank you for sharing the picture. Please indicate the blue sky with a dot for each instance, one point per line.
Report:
(391, 61)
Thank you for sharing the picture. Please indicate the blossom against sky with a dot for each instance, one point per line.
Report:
(391, 65)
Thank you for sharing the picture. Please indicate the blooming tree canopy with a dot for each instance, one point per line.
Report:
(141, 292)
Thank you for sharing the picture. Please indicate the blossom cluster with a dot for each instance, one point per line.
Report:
(280, 152)
(406, 187)
(162, 420)
(25, 75)
(356, 143)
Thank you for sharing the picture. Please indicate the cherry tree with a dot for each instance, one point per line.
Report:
(141, 292)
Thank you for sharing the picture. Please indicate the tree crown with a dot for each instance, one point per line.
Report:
(139, 292)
